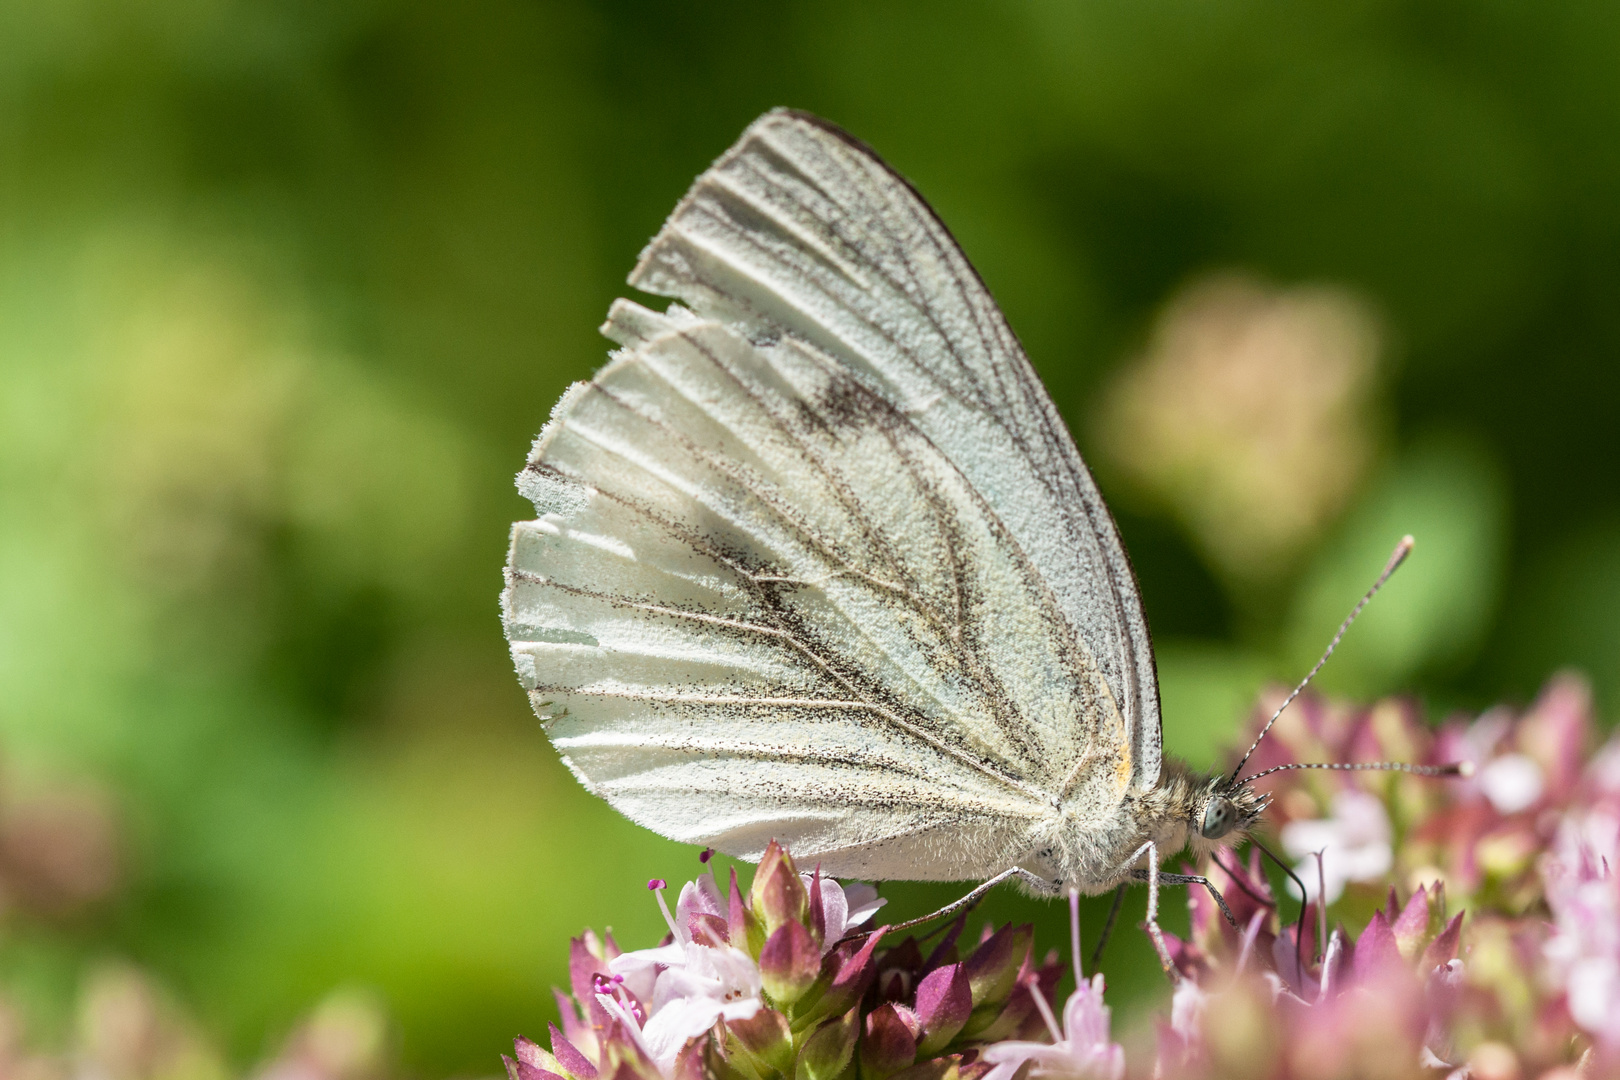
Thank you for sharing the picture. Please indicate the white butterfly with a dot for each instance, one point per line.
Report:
(817, 560)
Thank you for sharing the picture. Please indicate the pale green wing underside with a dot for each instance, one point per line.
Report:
(816, 559)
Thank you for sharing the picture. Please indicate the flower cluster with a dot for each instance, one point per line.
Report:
(1258, 1003)
(1487, 942)
(783, 982)
(1520, 978)
(1482, 835)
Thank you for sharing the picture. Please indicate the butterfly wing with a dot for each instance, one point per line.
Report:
(793, 571)
(801, 229)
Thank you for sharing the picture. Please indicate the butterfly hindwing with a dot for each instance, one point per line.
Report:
(788, 577)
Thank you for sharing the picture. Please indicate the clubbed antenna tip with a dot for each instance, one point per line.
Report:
(1398, 556)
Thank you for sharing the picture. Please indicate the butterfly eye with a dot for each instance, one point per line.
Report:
(1219, 817)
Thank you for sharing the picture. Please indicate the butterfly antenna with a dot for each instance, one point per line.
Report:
(1398, 556)
(1455, 768)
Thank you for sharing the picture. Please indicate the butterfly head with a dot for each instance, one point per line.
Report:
(1228, 808)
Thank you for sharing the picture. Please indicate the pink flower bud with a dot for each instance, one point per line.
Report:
(852, 971)
(588, 958)
(567, 1056)
(1376, 953)
(778, 895)
(1444, 947)
(533, 1063)
(992, 968)
(888, 1046)
(789, 963)
(944, 1002)
(522, 1070)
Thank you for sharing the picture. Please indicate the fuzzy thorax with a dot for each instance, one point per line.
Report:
(1093, 854)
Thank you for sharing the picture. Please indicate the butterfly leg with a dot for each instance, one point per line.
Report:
(1195, 879)
(1151, 876)
(1108, 927)
(1034, 881)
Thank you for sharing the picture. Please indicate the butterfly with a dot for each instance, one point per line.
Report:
(816, 560)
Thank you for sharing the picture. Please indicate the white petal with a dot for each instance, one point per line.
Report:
(731, 968)
(834, 908)
(1327, 879)
(863, 901)
(1367, 863)
(677, 1023)
(1594, 993)
(678, 984)
(1302, 838)
(741, 1010)
(700, 896)
(1187, 1009)
(1085, 1017)
(1362, 817)
(1014, 1052)
(629, 963)
(1512, 782)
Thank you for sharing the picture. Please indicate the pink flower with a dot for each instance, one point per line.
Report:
(1081, 1049)
(693, 982)
(844, 907)
(1354, 842)
(698, 977)
(1583, 892)
(1181, 1042)
(710, 984)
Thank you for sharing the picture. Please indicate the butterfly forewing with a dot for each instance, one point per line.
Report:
(778, 587)
(801, 229)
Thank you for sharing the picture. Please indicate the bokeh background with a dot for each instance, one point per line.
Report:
(286, 288)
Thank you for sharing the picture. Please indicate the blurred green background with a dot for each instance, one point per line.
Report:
(286, 288)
